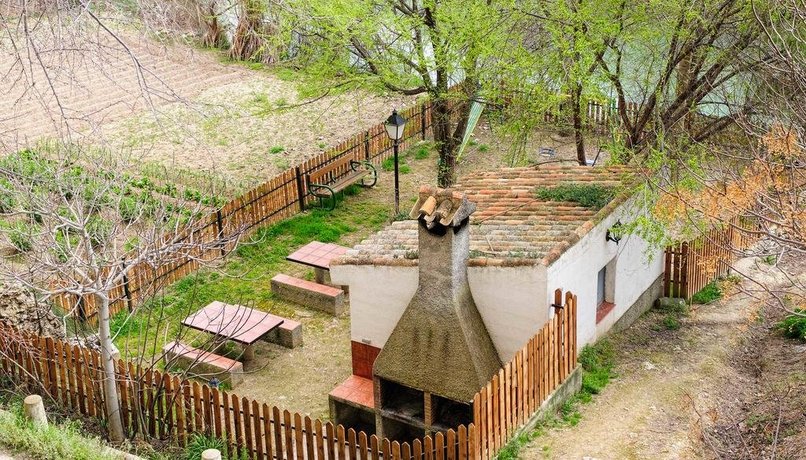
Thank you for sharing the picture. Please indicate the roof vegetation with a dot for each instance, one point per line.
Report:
(594, 196)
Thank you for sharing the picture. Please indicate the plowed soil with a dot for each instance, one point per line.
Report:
(171, 104)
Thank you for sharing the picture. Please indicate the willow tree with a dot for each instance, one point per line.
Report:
(678, 60)
(557, 71)
(443, 49)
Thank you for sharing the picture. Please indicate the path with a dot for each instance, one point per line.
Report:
(665, 390)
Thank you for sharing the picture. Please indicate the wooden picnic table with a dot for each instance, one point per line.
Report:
(318, 255)
(234, 322)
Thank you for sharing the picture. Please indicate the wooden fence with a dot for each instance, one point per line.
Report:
(163, 406)
(691, 265)
(280, 198)
(510, 399)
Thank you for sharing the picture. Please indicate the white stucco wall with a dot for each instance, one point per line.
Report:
(509, 300)
(513, 301)
(378, 297)
(576, 271)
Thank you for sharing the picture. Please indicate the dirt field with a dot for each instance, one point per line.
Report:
(181, 107)
(712, 389)
(511, 152)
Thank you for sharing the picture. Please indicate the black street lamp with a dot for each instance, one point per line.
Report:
(394, 128)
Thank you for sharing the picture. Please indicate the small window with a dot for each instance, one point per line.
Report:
(605, 290)
(600, 285)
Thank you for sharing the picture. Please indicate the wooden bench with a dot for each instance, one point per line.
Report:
(319, 296)
(204, 363)
(336, 176)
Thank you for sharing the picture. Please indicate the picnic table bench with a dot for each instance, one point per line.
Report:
(234, 322)
(330, 179)
(203, 363)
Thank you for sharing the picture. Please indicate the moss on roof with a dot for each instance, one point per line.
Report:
(513, 225)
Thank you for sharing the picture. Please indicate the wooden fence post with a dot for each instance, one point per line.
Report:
(366, 145)
(126, 293)
(683, 281)
(422, 119)
(219, 220)
(300, 193)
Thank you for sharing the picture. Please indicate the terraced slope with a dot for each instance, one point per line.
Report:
(171, 104)
(77, 92)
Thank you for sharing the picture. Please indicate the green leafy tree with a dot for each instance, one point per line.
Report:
(446, 50)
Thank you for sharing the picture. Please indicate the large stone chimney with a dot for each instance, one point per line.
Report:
(440, 353)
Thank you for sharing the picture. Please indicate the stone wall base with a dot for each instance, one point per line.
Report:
(639, 307)
(571, 385)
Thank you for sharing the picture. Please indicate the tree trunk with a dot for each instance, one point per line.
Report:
(446, 170)
(579, 137)
(114, 422)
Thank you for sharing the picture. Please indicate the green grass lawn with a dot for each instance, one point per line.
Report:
(295, 379)
(245, 277)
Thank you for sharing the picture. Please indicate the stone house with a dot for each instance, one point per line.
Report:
(438, 302)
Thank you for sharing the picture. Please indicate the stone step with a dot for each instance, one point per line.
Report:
(307, 293)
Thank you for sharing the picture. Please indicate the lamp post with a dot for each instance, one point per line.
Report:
(394, 129)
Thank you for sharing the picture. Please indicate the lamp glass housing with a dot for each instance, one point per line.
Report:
(394, 126)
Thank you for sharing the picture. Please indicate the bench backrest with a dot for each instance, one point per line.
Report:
(325, 173)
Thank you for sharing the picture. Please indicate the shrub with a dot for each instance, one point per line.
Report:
(99, 230)
(7, 201)
(421, 153)
(94, 196)
(131, 244)
(168, 189)
(191, 194)
(143, 182)
(20, 237)
(708, 294)
(597, 362)
(65, 242)
(794, 325)
(199, 443)
(671, 322)
(587, 195)
(127, 208)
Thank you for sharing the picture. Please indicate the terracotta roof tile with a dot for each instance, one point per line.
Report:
(510, 226)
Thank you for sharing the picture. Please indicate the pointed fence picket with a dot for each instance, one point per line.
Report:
(164, 406)
(691, 265)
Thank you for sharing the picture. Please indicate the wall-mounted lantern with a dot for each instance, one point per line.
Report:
(613, 232)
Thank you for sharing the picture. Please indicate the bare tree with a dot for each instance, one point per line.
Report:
(79, 226)
(54, 57)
